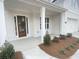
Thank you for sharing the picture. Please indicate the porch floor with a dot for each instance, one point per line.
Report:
(26, 44)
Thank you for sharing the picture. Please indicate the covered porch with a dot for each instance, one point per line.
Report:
(39, 17)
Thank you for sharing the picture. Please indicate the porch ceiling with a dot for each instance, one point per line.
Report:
(30, 6)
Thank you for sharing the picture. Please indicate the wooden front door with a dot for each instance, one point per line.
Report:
(21, 20)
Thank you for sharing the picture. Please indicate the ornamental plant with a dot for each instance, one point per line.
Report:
(69, 34)
(7, 51)
(67, 48)
(62, 37)
(72, 46)
(62, 51)
(47, 39)
(55, 39)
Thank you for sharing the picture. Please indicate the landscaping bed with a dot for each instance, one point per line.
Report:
(63, 48)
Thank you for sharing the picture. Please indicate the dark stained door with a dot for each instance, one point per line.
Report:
(21, 20)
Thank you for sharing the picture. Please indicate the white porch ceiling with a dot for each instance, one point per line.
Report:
(29, 6)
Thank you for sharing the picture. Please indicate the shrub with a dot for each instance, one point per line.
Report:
(62, 51)
(72, 46)
(62, 36)
(55, 39)
(77, 41)
(67, 48)
(47, 39)
(69, 34)
(7, 51)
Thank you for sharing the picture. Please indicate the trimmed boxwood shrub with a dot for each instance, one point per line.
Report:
(47, 39)
(7, 51)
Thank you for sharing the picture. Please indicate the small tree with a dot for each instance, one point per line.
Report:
(47, 39)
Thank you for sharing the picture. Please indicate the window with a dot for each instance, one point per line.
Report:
(40, 22)
(75, 4)
(46, 23)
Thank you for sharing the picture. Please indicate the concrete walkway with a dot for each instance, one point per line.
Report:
(26, 44)
(76, 55)
(36, 53)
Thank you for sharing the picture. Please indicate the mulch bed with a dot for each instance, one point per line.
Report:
(18, 55)
(54, 48)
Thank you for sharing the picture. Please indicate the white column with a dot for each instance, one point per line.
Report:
(42, 22)
(2, 23)
(63, 23)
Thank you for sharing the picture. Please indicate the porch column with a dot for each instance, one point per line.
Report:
(42, 23)
(2, 23)
(63, 23)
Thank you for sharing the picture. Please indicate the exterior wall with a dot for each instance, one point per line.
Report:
(10, 26)
(33, 24)
(56, 24)
(70, 26)
(2, 23)
(71, 5)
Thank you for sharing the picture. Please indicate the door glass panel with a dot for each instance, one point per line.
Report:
(21, 26)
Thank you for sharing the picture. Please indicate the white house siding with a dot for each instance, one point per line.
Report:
(10, 26)
(2, 23)
(72, 25)
(33, 23)
(56, 24)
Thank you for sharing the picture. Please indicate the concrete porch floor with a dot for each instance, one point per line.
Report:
(26, 44)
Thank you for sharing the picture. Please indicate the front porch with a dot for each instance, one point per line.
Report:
(39, 19)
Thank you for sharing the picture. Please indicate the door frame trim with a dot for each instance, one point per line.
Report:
(17, 36)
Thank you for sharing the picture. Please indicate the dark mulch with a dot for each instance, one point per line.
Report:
(54, 48)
